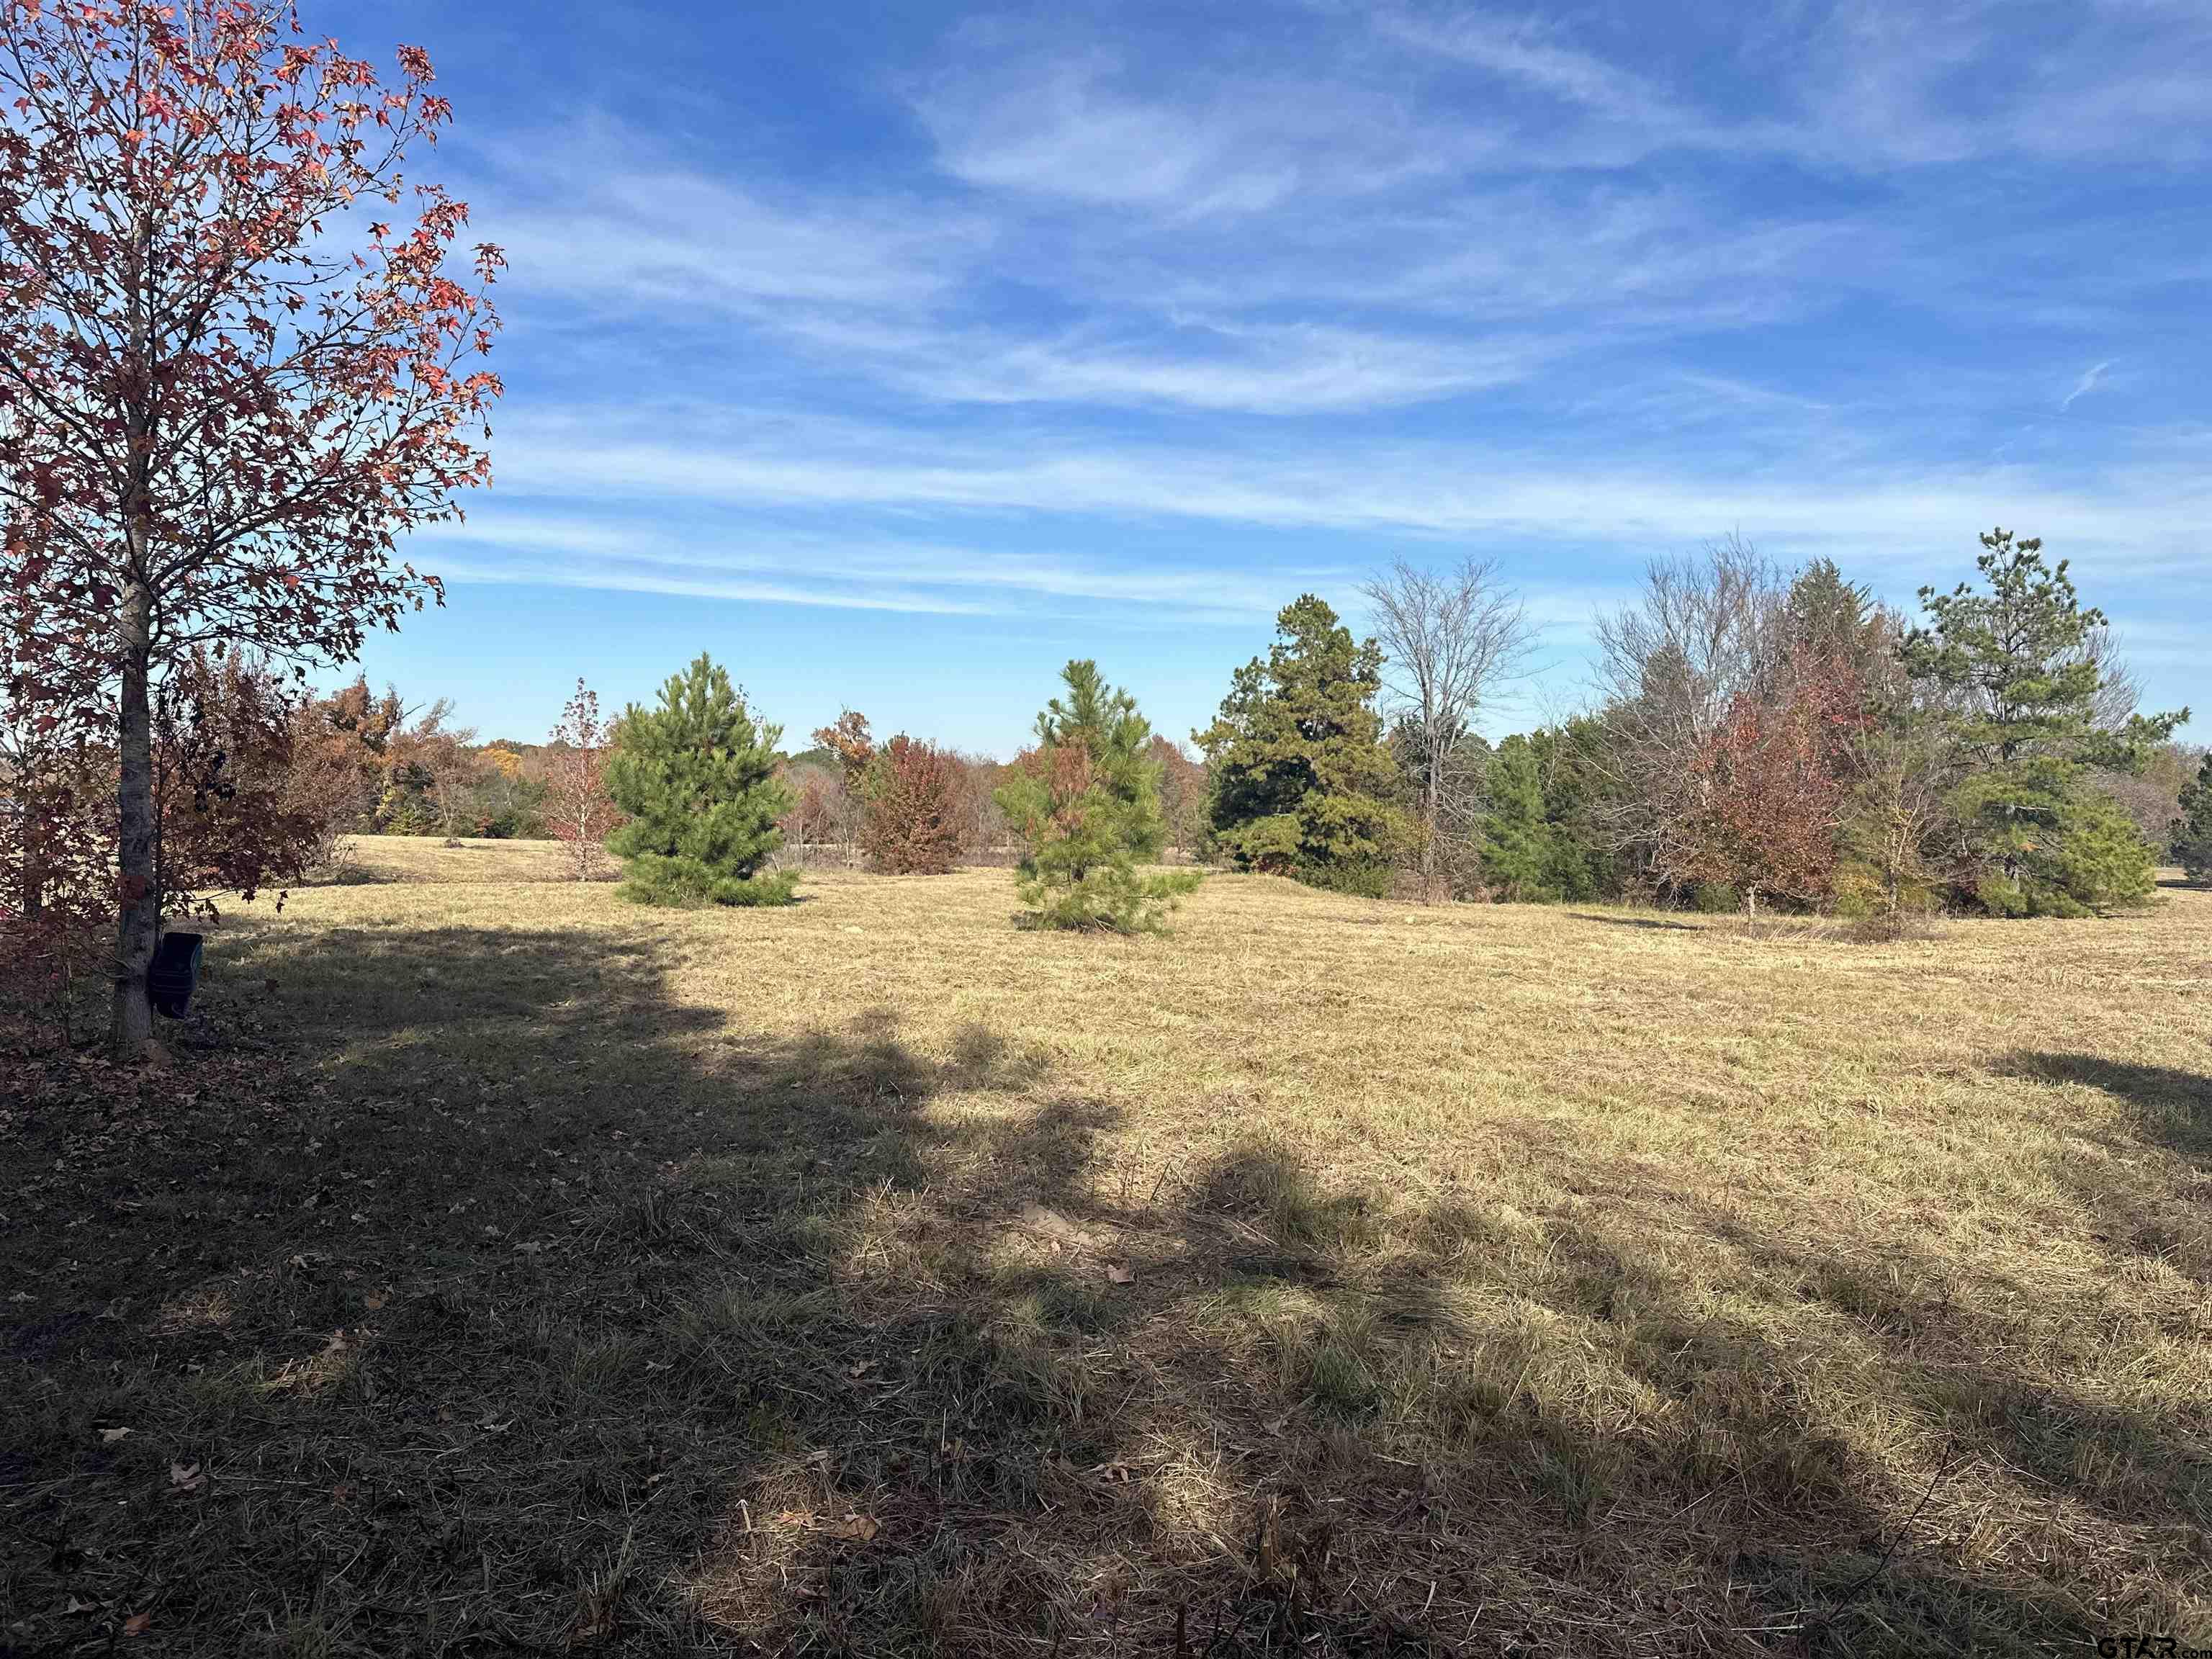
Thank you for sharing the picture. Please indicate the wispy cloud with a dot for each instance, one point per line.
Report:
(1172, 311)
(1884, 512)
(2092, 377)
(1535, 53)
(604, 548)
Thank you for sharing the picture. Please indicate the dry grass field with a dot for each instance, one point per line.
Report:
(499, 1268)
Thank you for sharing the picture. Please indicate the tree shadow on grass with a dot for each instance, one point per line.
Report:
(526, 1307)
(1648, 923)
(475, 1321)
(1552, 1426)
(2173, 1104)
(2040, 1434)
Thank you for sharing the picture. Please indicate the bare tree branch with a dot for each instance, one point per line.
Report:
(1449, 640)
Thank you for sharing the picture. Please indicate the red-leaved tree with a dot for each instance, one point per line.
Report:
(228, 818)
(225, 384)
(1774, 784)
(57, 790)
(57, 817)
(913, 815)
(849, 739)
(577, 809)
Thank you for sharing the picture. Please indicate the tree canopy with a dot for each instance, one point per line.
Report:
(2015, 675)
(2192, 831)
(699, 781)
(226, 385)
(1301, 778)
(1085, 802)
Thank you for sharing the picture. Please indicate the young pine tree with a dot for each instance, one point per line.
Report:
(2192, 831)
(2014, 677)
(698, 780)
(1086, 804)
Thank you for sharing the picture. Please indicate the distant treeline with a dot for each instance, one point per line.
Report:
(1758, 737)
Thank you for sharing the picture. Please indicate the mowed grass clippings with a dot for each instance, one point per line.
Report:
(499, 1268)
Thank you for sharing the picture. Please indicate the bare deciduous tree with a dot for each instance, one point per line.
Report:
(1449, 640)
(577, 811)
(1706, 632)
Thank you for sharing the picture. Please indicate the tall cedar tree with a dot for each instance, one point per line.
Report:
(1301, 780)
(578, 808)
(2192, 831)
(1086, 804)
(699, 781)
(2013, 676)
(913, 792)
(225, 389)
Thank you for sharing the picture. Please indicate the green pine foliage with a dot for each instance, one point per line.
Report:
(2013, 676)
(1516, 841)
(698, 780)
(1540, 839)
(2192, 831)
(1086, 803)
(1582, 862)
(1301, 780)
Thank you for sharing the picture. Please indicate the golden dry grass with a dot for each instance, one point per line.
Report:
(1494, 1276)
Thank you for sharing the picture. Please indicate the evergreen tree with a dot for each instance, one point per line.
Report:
(1832, 617)
(699, 781)
(2014, 676)
(1581, 860)
(1302, 780)
(1517, 855)
(2192, 831)
(1086, 803)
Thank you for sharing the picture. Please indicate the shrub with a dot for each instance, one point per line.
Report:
(915, 803)
(1716, 898)
(1369, 880)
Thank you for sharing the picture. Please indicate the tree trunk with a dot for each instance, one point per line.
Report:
(33, 807)
(1433, 808)
(139, 914)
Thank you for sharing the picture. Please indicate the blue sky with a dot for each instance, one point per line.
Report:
(896, 355)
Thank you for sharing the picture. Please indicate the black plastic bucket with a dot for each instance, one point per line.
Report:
(175, 972)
